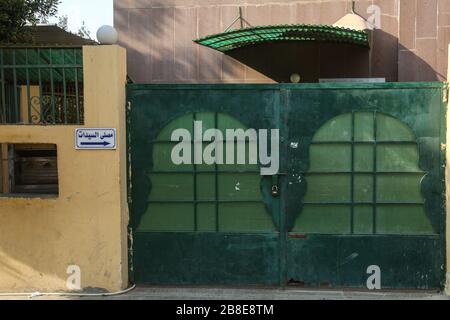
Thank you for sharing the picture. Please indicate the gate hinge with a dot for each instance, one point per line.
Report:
(445, 95)
(129, 105)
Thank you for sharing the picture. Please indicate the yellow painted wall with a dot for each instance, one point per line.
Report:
(87, 224)
(29, 108)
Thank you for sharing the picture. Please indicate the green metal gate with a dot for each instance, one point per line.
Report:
(361, 184)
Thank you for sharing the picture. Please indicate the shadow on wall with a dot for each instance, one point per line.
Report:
(313, 61)
(22, 262)
(161, 50)
(148, 35)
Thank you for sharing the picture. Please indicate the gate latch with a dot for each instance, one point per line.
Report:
(275, 191)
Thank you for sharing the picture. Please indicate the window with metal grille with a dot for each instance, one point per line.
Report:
(364, 178)
(29, 169)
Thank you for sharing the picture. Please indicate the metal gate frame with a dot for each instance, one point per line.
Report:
(433, 94)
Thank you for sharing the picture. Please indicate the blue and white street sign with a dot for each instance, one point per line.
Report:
(95, 139)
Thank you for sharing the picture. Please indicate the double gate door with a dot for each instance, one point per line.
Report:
(358, 197)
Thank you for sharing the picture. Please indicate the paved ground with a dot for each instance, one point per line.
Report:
(158, 293)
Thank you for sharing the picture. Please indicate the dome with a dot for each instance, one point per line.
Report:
(352, 21)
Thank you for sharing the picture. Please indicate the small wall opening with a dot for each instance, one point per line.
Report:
(29, 170)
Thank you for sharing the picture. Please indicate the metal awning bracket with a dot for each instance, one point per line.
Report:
(241, 20)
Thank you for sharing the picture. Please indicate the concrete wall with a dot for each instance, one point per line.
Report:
(86, 225)
(411, 46)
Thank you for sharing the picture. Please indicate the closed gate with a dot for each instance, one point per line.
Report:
(359, 191)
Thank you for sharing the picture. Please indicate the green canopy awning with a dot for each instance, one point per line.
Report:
(234, 39)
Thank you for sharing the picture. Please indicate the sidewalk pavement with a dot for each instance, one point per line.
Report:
(200, 293)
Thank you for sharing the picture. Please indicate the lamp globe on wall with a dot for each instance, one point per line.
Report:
(107, 35)
(295, 78)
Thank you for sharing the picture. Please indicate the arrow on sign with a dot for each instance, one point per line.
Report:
(104, 143)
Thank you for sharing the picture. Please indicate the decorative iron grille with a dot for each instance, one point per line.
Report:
(41, 86)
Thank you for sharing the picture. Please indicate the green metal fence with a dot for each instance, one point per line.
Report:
(41, 86)
(361, 184)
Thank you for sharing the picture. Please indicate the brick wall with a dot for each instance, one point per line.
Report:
(411, 45)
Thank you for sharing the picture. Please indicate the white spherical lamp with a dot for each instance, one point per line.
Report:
(107, 35)
(295, 78)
